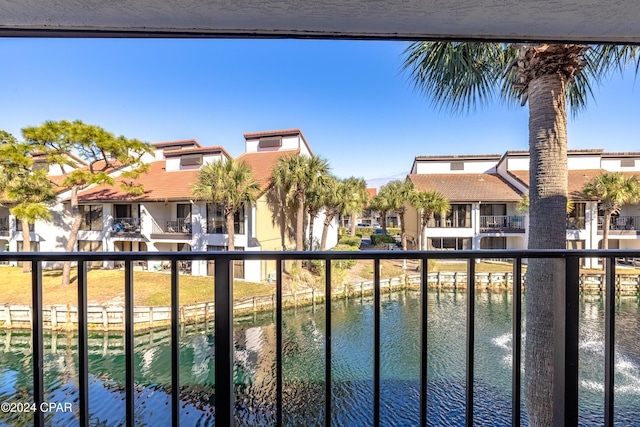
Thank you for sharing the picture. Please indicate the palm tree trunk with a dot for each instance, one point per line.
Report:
(605, 230)
(353, 223)
(300, 222)
(384, 222)
(230, 231)
(73, 234)
(325, 233)
(547, 230)
(312, 216)
(403, 234)
(26, 244)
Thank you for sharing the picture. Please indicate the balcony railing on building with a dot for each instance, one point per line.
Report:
(504, 223)
(565, 303)
(173, 226)
(621, 223)
(126, 225)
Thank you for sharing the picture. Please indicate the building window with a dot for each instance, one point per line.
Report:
(575, 244)
(628, 163)
(496, 209)
(91, 246)
(458, 217)
(35, 246)
(238, 264)
(91, 217)
(576, 218)
(449, 243)
(19, 226)
(270, 142)
(493, 243)
(457, 166)
(191, 160)
(217, 224)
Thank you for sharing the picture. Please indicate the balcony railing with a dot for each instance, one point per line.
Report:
(126, 225)
(502, 223)
(449, 223)
(621, 223)
(171, 226)
(565, 301)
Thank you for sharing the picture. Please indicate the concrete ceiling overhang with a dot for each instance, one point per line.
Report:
(612, 21)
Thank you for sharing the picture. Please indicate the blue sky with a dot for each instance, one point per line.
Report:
(349, 98)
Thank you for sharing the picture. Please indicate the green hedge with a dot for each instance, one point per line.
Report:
(376, 239)
(351, 241)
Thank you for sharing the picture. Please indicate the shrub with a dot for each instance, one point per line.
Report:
(351, 241)
(344, 263)
(376, 239)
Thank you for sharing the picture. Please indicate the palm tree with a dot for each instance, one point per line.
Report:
(380, 203)
(355, 198)
(612, 190)
(230, 185)
(332, 201)
(314, 202)
(547, 77)
(399, 193)
(294, 175)
(428, 203)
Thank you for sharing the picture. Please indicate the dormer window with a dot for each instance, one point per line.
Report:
(457, 166)
(191, 160)
(271, 142)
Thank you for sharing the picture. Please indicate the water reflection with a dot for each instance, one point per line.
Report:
(303, 355)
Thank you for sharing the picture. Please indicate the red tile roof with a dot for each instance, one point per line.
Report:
(262, 163)
(294, 131)
(482, 187)
(577, 179)
(159, 185)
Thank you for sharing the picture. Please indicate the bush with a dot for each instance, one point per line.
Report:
(344, 263)
(376, 239)
(351, 241)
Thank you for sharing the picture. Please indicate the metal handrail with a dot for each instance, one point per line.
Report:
(565, 311)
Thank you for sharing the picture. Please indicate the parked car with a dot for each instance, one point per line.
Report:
(379, 231)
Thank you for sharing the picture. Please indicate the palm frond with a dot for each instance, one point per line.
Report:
(456, 76)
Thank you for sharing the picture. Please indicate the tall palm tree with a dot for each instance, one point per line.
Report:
(230, 185)
(612, 190)
(332, 200)
(355, 198)
(294, 175)
(461, 76)
(314, 203)
(429, 203)
(399, 193)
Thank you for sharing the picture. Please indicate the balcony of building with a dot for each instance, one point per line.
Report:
(502, 223)
(621, 225)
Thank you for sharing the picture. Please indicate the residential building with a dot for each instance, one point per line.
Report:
(167, 217)
(484, 191)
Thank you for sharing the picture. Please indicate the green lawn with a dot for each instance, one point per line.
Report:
(107, 286)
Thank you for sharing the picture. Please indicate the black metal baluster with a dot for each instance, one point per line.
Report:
(224, 342)
(327, 347)
(471, 282)
(175, 345)
(83, 345)
(376, 342)
(424, 275)
(565, 353)
(129, 348)
(38, 342)
(609, 342)
(279, 378)
(516, 340)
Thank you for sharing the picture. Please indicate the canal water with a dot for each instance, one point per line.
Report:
(303, 354)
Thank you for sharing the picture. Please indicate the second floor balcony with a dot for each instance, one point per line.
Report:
(171, 227)
(620, 223)
(126, 225)
(504, 223)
